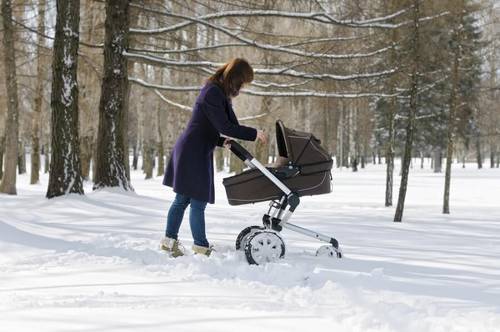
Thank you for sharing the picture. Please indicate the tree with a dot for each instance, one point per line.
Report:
(35, 128)
(465, 78)
(412, 110)
(8, 184)
(65, 169)
(112, 152)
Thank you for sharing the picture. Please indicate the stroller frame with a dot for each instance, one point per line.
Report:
(280, 211)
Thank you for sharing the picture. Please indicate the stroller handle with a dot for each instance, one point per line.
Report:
(239, 151)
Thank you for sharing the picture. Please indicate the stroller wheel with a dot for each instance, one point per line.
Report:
(243, 236)
(264, 247)
(328, 251)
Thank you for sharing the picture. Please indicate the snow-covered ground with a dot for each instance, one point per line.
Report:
(91, 263)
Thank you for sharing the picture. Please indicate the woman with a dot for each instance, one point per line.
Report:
(190, 169)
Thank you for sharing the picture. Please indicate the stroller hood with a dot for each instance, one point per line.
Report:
(299, 147)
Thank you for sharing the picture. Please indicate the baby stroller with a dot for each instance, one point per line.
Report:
(302, 168)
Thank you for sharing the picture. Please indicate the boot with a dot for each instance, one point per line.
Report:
(172, 246)
(203, 250)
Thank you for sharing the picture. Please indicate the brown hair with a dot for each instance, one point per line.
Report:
(231, 76)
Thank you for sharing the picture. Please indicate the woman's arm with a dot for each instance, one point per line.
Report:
(213, 107)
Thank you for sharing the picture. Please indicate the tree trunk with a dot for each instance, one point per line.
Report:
(451, 121)
(161, 150)
(37, 112)
(354, 163)
(8, 185)
(492, 157)
(2, 147)
(389, 176)
(65, 169)
(479, 156)
(219, 159)
(235, 164)
(135, 159)
(47, 159)
(88, 90)
(161, 159)
(262, 150)
(21, 162)
(438, 160)
(148, 156)
(355, 139)
(112, 154)
(86, 155)
(405, 169)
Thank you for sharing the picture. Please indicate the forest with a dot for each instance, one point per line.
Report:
(89, 87)
(368, 201)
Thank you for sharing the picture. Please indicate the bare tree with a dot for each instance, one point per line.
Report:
(8, 184)
(454, 100)
(37, 112)
(414, 87)
(65, 169)
(112, 154)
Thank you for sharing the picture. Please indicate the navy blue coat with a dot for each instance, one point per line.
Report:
(190, 169)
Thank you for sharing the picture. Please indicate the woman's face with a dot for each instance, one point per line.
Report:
(238, 88)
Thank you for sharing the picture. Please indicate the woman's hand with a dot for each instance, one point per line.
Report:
(261, 136)
(227, 144)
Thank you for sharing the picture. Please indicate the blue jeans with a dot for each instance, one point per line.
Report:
(196, 219)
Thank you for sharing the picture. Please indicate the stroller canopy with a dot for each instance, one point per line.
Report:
(299, 148)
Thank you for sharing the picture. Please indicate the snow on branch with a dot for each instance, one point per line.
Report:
(188, 50)
(265, 85)
(159, 61)
(225, 45)
(163, 87)
(320, 17)
(319, 94)
(53, 38)
(189, 109)
(270, 47)
(171, 102)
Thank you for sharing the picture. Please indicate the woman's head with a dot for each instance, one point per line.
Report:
(233, 75)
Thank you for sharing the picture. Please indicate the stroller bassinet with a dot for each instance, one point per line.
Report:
(303, 166)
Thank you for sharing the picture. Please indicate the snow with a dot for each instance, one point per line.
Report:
(92, 262)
